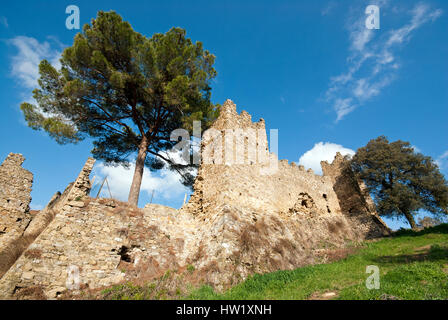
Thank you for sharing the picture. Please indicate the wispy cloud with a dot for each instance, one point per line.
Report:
(328, 8)
(4, 22)
(25, 64)
(442, 160)
(372, 61)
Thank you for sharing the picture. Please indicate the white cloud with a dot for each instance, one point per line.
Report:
(372, 61)
(442, 160)
(420, 15)
(416, 149)
(343, 107)
(322, 151)
(444, 155)
(165, 183)
(360, 37)
(25, 64)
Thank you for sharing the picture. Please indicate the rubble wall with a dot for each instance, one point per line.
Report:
(238, 222)
(13, 244)
(15, 184)
(15, 196)
(354, 198)
(93, 243)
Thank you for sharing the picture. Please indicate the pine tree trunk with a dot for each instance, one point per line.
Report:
(411, 220)
(134, 192)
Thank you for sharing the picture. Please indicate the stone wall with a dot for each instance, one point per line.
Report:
(15, 195)
(263, 184)
(104, 242)
(354, 198)
(15, 198)
(285, 188)
(94, 243)
(13, 244)
(243, 218)
(264, 214)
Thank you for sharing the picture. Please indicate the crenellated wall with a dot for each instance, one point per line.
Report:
(285, 187)
(249, 213)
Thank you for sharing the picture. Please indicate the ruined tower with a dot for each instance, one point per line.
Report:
(15, 197)
(250, 213)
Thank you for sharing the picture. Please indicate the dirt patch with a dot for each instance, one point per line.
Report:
(328, 295)
(170, 284)
(424, 253)
(331, 255)
(445, 268)
(423, 249)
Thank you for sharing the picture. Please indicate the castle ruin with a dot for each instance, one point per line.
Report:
(241, 219)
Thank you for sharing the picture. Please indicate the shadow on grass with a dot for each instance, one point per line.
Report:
(441, 229)
(427, 253)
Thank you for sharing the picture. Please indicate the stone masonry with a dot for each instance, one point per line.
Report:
(13, 244)
(257, 215)
(15, 197)
(245, 184)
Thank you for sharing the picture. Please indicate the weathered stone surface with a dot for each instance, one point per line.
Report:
(13, 244)
(253, 184)
(242, 219)
(354, 198)
(15, 198)
(15, 184)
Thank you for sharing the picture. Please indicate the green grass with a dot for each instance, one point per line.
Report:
(413, 265)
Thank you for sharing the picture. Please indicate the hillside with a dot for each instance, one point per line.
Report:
(413, 265)
(249, 214)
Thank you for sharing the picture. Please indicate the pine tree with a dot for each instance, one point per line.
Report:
(127, 92)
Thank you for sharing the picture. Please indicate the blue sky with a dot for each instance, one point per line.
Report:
(309, 68)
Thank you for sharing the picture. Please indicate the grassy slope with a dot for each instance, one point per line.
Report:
(412, 266)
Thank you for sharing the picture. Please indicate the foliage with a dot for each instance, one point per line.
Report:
(125, 91)
(400, 180)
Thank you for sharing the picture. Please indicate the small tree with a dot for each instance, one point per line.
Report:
(400, 180)
(127, 92)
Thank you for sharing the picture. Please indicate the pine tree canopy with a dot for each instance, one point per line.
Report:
(126, 91)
